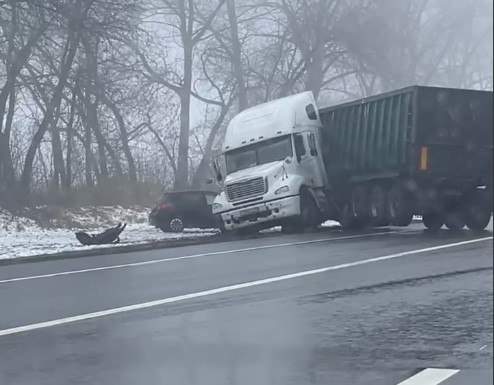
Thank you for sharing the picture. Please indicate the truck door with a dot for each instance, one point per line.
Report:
(309, 159)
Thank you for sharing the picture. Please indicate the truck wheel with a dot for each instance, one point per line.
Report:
(478, 210)
(309, 213)
(433, 221)
(360, 198)
(348, 217)
(308, 219)
(454, 220)
(378, 209)
(400, 206)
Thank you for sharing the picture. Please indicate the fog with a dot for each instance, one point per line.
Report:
(104, 100)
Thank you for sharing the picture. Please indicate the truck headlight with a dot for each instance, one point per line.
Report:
(282, 190)
(216, 207)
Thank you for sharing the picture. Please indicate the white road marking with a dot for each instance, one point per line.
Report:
(430, 376)
(483, 347)
(143, 263)
(150, 304)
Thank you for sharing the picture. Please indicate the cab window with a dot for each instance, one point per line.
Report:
(312, 144)
(299, 146)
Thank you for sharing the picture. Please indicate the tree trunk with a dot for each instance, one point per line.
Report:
(124, 137)
(91, 51)
(58, 161)
(237, 56)
(66, 64)
(315, 73)
(203, 168)
(92, 116)
(16, 65)
(182, 177)
(87, 156)
(7, 173)
(70, 140)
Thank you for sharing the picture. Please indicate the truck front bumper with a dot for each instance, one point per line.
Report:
(261, 214)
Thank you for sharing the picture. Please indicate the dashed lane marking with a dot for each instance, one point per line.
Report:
(150, 304)
(430, 376)
(162, 260)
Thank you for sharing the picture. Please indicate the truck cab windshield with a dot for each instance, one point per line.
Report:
(259, 153)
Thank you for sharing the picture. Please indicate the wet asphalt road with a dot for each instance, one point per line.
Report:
(362, 321)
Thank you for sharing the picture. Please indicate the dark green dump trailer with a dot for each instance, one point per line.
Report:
(418, 150)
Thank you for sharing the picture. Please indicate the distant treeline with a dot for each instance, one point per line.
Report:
(106, 96)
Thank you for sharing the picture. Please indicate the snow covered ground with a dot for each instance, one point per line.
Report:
(54, 232)
(48, 230)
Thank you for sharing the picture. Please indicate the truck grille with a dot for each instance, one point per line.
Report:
(245, 189)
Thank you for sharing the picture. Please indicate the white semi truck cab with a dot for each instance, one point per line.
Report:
(272, 160)
(386, 158)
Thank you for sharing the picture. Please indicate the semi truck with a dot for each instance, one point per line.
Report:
(376, 161)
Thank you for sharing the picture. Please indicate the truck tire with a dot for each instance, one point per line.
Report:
(400, 206)
(433, 221)
(360, 202)
(348, 217)
(478, 211)
(454, 220)
(378, 209)
(309, 216)
(309, 212)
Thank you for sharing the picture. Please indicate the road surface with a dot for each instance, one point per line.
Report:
(390, 306)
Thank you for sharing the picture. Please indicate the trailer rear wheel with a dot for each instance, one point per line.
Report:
(378, 209)
(400, 206)
(454, 220)
(433, 220)
(348, 217)
(360, 197)
(478, 210)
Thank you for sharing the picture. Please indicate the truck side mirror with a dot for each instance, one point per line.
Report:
(217, 172)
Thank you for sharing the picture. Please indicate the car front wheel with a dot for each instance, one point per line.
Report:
(174, 225)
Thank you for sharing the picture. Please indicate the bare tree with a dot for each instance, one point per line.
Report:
(192, 23)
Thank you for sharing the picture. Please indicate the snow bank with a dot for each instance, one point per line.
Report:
(21, 236)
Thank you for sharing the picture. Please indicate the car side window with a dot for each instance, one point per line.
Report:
(299, 146)
(193, 200)
(312, 144)
(167, 198)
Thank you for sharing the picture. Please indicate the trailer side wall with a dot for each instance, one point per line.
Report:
(368, 137)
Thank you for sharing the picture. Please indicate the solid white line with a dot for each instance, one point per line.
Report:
(430, 376)
(224, 289)
(143, 263)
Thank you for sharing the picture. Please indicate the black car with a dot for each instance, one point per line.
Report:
(180, 209)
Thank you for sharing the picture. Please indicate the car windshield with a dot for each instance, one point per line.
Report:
(259, 153)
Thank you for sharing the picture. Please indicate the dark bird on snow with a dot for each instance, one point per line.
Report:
(108, 236)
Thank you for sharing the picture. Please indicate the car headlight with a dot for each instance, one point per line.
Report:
(282, 190)
(217, 207)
